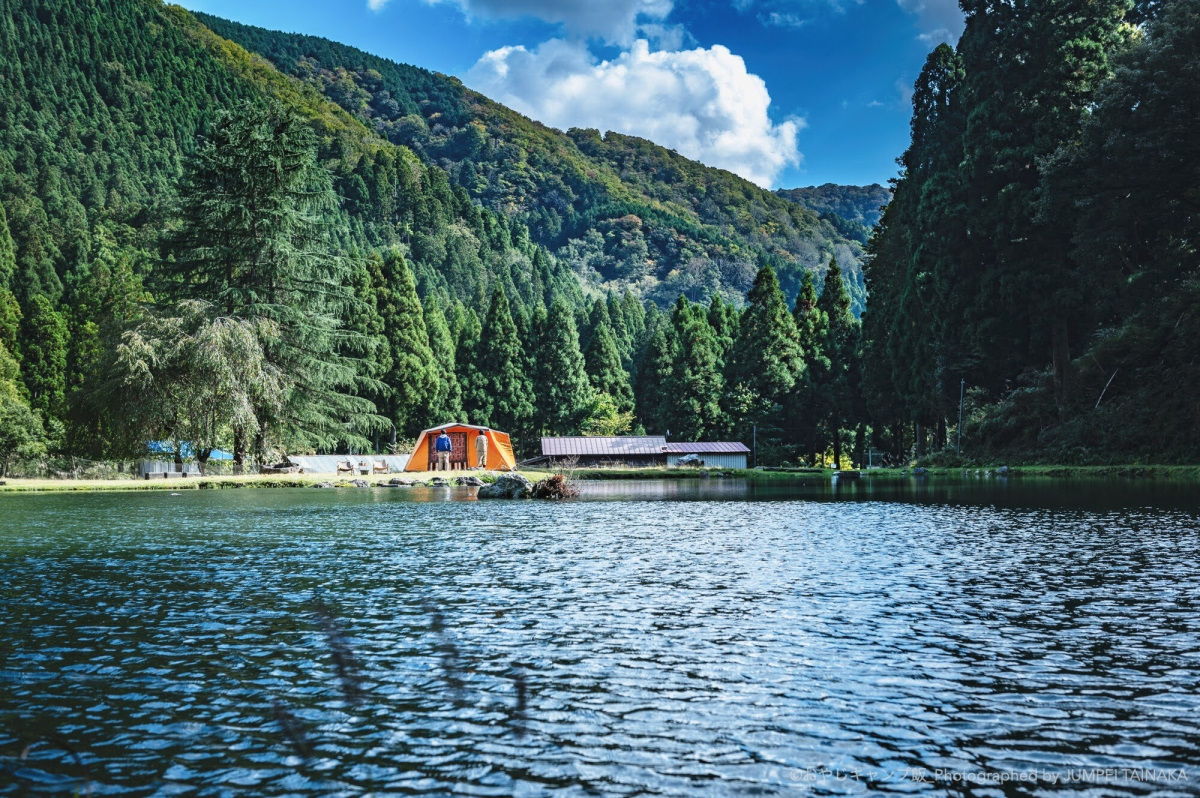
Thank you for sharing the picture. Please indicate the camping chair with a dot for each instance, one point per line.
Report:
(345, 467)
(381, 467)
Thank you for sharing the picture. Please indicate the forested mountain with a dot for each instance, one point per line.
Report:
(624, 211)
(198, 247)
(852, 210)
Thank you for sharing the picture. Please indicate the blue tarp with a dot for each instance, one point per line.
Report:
(168, 448)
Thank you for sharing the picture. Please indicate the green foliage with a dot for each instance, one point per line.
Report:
(44, 341)
(604, 369)
(194, 376)
(446, 402)
(416, 380)
(505, 391)
(564, 394)
(604, 417)
(697, 385)
(622, 210)
(767, 362)
(254, 241)
(21, 434)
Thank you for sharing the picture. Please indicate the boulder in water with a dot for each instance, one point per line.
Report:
(471, 482)
(507, 486)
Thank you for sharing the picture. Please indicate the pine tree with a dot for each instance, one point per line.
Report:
(507, 392)
(561, 383)
(605, 370)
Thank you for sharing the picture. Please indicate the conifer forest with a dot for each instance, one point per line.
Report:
(270, 244)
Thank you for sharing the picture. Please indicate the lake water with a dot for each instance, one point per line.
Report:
(704, 638)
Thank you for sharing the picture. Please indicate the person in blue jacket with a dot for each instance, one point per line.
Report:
(443, 447)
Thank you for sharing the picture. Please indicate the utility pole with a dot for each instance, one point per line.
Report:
(962, 385)
(754, 447)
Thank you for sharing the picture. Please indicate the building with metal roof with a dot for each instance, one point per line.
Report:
(638, 451)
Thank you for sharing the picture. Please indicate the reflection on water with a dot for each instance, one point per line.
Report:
(342, 642)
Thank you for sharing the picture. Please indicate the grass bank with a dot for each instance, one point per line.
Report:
(246, 481)
(1179, 473)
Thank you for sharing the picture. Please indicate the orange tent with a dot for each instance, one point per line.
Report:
(462, 456)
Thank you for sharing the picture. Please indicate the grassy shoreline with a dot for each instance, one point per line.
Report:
(245, 481)
(1173, 473)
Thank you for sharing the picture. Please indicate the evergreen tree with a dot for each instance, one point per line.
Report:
(697, 385)
(253, 241)
(766, 361)
(563, 392)
(10, 310)
(604, 368)
(656, 378)
(446, 403)
(841, 349)
(414, 374)
(44, 342)
(507, 393)
(724, 325)
(809, 401)
(475, 403)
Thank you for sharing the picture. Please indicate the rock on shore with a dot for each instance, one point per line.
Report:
(507, 486)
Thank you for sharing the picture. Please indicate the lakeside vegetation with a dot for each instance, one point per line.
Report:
(312, 249)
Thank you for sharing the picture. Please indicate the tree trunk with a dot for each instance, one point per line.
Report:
(860, 445)
(1061, 357)
(941, 432)
(837, 449)
(812, 446)
(202, 460)
(179, 458)
(239, 451)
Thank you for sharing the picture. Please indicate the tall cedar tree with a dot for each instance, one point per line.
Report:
(506, 397)
(253, 240)
(604, 368)
(1032, 70)
(766, 361)
(446, 403)
(807, 403)
(470, 376)
(656, 378)
(697, 384)
(10, 311)
(414, 375)
(561, 381)
(841, 349)
(44, 341)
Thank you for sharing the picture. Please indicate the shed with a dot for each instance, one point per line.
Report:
(462, 455)
(715, 454)
(607, 450)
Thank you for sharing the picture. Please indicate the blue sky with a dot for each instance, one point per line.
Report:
(783, 92)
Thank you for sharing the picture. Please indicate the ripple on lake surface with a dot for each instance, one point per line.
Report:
(168, 644)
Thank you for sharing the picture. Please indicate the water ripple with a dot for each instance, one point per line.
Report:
(161, 645)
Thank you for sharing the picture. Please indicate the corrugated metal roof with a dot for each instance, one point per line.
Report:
(709, 447)
(604, 446)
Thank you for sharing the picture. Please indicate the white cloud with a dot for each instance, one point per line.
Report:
(941, 20)
(614, 21)
(702, 102)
